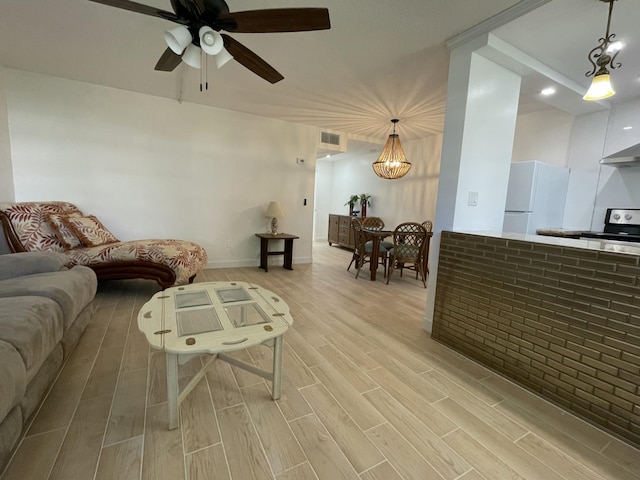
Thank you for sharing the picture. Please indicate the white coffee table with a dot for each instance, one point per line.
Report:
(214, 318)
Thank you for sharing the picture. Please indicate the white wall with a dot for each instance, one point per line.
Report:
(322, 203)
(593, 187)
(6, 171)
(151, 167)
(408, 199)
(544, 136)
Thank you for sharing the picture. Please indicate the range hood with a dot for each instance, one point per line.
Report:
(629, 157)
(621, 162)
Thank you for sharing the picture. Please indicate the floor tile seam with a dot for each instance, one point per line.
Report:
(115, 390)
(554, 442)
(458, 385)
(409, 444)
(566, 453)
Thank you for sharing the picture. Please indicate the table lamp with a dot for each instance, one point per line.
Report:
(274, 210)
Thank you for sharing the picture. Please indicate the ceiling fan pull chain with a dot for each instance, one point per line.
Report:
(202, 57)
(206, 73)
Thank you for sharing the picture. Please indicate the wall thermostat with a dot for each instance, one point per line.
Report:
(300, 161)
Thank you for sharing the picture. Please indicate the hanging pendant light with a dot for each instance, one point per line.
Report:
(602, 58)
(392, 163)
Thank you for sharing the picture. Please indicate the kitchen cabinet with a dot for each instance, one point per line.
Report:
(340, 230)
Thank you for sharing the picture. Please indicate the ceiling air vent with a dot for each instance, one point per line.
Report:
(331, 144)
(330, 138)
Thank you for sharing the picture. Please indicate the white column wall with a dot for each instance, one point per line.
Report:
(150, 167)
(480, 119)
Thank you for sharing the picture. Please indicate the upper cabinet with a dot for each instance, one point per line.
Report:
(623, 131)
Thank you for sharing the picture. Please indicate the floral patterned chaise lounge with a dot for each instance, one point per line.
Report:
(61, 227)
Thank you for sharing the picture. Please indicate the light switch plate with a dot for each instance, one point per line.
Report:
(473, 199)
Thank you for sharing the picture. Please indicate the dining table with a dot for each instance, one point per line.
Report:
(376, 236)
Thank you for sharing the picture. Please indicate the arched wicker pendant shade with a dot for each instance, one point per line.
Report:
(392, 163)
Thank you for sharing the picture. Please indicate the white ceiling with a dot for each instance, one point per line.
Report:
(381, 58)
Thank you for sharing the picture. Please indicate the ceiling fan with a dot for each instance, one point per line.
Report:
(200, 22)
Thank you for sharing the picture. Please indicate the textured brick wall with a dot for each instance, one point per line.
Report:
(561, 321)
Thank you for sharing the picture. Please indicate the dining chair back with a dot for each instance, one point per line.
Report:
(373, 223)
(364, 249)
(428, 225)
(407, 252)
(356, 226)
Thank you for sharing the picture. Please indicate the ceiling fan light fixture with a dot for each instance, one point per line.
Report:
(178, 39)
(602, 58)
(392, 162)
(191, 56)
(223, 57)
(210, 41)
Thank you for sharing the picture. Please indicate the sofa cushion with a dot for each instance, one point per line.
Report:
(64, 233)
(33, 326)
(14, 378)
(72, 289)
(29, 221)
(27, 263)
(183, 257)
(90, 230)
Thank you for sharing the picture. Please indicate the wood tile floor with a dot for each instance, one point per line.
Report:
(366, 395)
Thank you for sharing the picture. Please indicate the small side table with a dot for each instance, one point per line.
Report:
(287, 252)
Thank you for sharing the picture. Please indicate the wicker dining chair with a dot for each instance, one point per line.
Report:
(428, 225)
(375, 223)
(408, 242)
(365, 248)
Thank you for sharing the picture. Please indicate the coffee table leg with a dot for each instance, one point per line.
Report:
(277, 367)
(172, 389)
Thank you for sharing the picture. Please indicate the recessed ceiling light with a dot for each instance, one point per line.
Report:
(328, 156)
(547, 91)
(628, 127)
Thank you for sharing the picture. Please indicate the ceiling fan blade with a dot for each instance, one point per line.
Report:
(168, 61)
(250, 60)
(144, 9)
(275, 20)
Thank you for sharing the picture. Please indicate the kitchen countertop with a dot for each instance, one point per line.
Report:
(559, 232)
(627, 248)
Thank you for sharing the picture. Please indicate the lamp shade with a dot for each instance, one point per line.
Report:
(392, 162)
(210, 41)
(274, 210)
(600, 88)
(177, 39)
(191, 56)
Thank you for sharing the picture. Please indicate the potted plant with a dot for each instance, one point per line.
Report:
(353, 201)
(364, 199)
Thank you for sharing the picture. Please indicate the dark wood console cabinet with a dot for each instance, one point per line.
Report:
(340, 230)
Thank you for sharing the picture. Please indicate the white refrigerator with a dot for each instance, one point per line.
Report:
(535, 197)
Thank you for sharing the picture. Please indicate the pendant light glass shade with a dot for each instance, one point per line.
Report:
(392, 162)
(600, 88)
(603, 59)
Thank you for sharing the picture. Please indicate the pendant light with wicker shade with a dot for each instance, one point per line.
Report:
(392, 163)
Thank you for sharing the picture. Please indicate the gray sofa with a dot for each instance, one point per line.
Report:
(44, 308)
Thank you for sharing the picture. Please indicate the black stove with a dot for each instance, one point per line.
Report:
(622, 224)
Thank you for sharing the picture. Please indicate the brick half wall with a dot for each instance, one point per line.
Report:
(561, 321)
